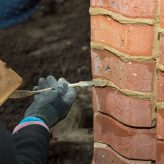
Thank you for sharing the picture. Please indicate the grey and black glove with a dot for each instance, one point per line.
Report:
(54, 105)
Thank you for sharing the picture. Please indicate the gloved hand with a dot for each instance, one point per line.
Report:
(54, 105)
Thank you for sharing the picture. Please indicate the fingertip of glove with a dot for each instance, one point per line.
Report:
(41, 79)
(60, 84)
(36, 88)
(51, 80)
(50, 77)
(62, 87)
(63, 80)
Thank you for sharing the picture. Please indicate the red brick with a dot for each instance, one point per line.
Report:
(160, 124)
(129, 8)
(132, 75)
(130, 111)
(131, 143)
(160, 152)
(160, 87)
(161, 59)
(162, 13)
(103, 154)
(135, 40)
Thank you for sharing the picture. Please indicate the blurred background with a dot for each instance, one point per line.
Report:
(54, 41)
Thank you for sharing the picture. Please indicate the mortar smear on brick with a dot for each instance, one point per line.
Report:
(156, 52)
(130, 93)
(123, 56)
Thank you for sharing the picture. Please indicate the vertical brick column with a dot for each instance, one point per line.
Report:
(127, 41)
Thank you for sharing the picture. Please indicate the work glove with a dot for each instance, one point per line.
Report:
(53, 105)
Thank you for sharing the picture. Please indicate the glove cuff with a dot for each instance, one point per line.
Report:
(31, 119)
(23, 125)
(27, 121)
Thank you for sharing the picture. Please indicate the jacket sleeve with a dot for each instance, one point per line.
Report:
(31, 144)
(7, 148)
(17, 11)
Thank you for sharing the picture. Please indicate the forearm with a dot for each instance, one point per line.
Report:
(31, 143)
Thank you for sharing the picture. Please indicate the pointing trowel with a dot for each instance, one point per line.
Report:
(93, 83)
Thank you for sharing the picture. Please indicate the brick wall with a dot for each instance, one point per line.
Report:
(127, 41)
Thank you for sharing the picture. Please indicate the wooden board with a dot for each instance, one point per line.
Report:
(9, 81)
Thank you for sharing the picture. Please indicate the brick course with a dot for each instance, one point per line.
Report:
(160, 152)
(103, 154)
(161, 59)
(129, 142)
(135, 40)
(131, 75)
(162, 13)
(160, 86)
(160, 125)
(130, 111)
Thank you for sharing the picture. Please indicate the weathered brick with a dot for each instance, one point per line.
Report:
(160, 152)
(131, 143)
(135, 40)
(132, 75)
(160, 86)
(162, 13)
(160, 124)
(161, 59)
(135, 9)
(130, 111)
(103, 154)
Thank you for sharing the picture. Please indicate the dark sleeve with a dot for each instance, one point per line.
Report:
(16, 11)
(7, 148)
(31, 144)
